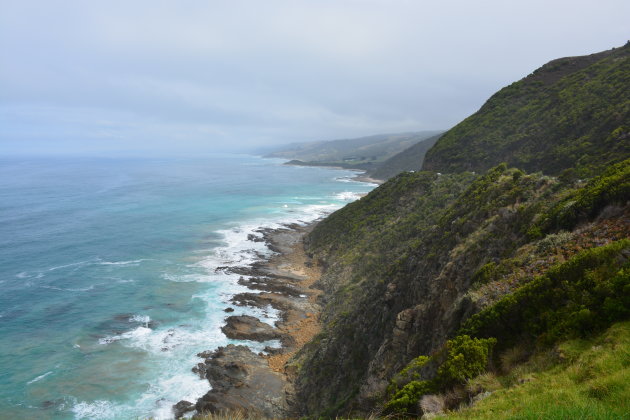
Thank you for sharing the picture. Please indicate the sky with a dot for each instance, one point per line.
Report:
(200, 76)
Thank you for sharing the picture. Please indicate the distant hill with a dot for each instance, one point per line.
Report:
(571, 113)
(360, 153)
(409, 159)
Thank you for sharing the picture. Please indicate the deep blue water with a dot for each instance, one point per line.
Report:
(108, 287)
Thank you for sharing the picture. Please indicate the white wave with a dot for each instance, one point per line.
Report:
(347, 196)
(85, 289)
(95, 410)
(39, 378)
(170, 390)
(133, 334)
(143, 319)
(22, 275)
(70, 265)
(131, 262)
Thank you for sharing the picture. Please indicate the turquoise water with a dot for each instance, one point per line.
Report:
(108, 280)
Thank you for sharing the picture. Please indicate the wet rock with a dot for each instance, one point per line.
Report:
(245, 327)
(200, 370)
(182, 408)
(228, 310)
(254, 238)
(242, 381)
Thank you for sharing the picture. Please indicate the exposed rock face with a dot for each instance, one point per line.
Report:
(242, 380)
(245, 327)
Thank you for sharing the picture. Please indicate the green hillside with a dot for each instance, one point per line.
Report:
(409, 159)
(572, 113)
(450, 285)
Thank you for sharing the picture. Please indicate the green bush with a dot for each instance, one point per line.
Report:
(612, 187)
(467, 358)
(462, 358)
(405, 400)
(586, 293)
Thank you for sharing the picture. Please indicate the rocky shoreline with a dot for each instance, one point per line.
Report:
(260, 384)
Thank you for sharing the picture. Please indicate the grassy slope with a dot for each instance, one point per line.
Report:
(571, 113)
(578, 379)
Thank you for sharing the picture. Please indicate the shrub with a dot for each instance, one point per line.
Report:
(463, 358)
(612, 186)
(586, 293)
(467, 358)
(405, 400)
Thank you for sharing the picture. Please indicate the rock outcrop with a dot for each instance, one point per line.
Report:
(245, 327)
(242, 381)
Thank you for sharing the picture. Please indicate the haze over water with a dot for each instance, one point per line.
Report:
(108, 280)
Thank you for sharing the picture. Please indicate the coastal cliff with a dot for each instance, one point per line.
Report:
(438, 290)
(431, 263)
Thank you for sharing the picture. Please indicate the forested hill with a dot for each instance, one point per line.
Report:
(360, 153)
(446, 285)
(572, 113)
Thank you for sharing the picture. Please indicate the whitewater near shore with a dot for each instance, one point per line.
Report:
(115, 274)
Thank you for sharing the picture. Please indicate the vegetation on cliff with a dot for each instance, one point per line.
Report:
(581, 378)
(432, 278)
(571, 114)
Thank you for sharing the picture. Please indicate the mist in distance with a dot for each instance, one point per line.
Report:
(195, 77)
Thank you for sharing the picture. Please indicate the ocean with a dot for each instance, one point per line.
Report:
(108, 273)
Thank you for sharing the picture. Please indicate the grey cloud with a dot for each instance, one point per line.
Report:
(201, 75)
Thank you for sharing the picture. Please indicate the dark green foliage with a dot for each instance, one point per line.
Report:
(584, 294)
(463, 359)
(405, 400)
(467, 358)
(485, 274)
(570, 113)
(612, 187)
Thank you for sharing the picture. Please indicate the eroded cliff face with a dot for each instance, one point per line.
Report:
(397, 278)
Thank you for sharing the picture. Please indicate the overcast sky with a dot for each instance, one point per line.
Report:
(193, 76)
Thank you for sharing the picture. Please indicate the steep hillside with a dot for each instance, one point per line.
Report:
(408, 160)
(409, 263)
(363, 152)
(431, 279)
(572, 113)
